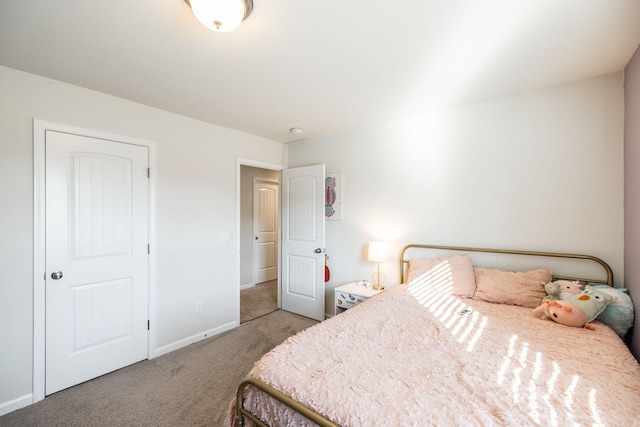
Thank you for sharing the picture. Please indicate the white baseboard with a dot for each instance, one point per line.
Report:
(26, 400)
(190, 340)
(16, 404)
(247, 286)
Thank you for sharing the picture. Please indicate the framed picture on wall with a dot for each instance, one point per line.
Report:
(333, 196)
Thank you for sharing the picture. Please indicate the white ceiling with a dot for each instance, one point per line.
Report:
(327, 66)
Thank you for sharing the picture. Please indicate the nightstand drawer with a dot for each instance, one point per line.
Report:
(349, 295)
(348, 300)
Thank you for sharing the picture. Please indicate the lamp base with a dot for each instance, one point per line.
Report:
(378, 278)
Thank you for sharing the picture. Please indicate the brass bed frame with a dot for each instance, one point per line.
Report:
(403, 263)
(322, 421)
(279, 396)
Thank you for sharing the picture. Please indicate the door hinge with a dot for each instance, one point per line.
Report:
(148, 248)
(148, 325)
(148, 172)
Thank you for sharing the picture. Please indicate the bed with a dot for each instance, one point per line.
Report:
(433, 351)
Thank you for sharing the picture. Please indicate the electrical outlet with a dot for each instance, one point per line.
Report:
(198, 307)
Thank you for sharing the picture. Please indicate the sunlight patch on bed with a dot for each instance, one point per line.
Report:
(546, 398)
(507, 360)
(534, 407)
(568, 397)
(477, 334)
(456, 308)
(530, 378)
(593, 405)
(517, 378)
(434, 290)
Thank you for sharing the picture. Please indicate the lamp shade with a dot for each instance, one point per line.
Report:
(221, 15)
(378, 252)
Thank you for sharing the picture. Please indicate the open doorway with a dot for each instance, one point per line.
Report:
(259, 222)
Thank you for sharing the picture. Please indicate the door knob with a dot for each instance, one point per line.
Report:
(318, 251)
(56, 275)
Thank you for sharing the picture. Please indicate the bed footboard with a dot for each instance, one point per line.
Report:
(241, 412)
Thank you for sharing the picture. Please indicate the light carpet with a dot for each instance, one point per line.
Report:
(192, 386)
(259, 300)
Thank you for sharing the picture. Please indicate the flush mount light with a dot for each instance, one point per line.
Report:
(295, 131)
(221, 15)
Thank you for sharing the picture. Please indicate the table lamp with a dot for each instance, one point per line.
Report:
(378, 252)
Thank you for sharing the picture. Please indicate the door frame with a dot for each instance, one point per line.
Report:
(241, 161)
(39, 250)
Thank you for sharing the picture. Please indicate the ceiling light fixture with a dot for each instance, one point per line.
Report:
(221, 15)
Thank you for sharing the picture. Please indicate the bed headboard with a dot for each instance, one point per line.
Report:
(418, 248)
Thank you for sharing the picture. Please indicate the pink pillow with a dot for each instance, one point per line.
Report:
(524, 288)
(454, 270)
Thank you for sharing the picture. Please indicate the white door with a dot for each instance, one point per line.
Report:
(265, 226)
(96, 257)
(303, 241)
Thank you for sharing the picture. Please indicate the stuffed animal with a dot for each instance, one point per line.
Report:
(619, 314)
(578, 310)
(562, 289)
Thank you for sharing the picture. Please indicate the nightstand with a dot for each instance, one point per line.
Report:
(352, 294)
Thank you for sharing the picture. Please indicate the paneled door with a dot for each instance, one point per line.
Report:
(97, 235)
(265, 226)
(303, 241)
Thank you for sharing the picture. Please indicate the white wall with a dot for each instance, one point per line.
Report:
(541, 170)
(196, 201)
(632, 190)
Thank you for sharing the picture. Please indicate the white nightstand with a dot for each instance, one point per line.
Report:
(352, 294)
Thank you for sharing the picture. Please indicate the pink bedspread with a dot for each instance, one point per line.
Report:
(409, 357)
